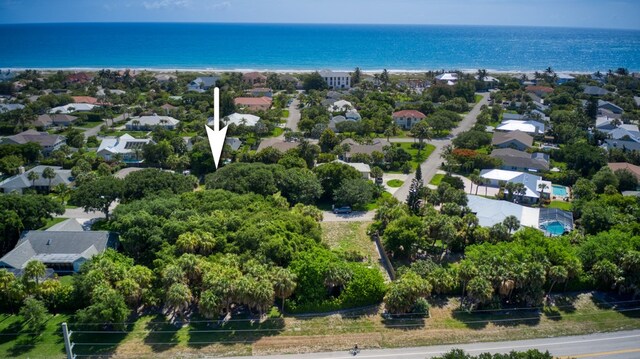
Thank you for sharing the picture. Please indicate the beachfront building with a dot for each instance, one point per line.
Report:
(253, 103)
(202, 84)
(47, 142)
(562, 78)
(447, 78)
(147, 123)
(254, 78)
(407, 118)
(21, 181)
(336, 80)
(535, 187)
(61, 251)
(126, 147)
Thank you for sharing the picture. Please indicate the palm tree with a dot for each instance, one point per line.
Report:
(512, 223)
(422, 131)
(284, 283)
(388, 132)
(557, 274)
(34, 270)
(49, 173)
(482, 74)
(542, 187)
(33, 176)
(178, 298)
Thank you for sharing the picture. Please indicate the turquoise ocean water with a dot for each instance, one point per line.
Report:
(308, 47)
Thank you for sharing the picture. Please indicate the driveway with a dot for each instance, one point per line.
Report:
(328, 216)
(431, 165)
(294, 115)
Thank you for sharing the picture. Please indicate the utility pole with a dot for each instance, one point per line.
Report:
(68, 346)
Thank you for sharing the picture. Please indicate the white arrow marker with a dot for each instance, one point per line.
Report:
(216, 136)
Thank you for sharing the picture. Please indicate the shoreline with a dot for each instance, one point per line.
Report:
(289, 71)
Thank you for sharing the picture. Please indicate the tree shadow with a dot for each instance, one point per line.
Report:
(623, 304)
(7, 334)
(163, 335)
(405, 322)
(242, 327)
(502, 318)
(96, 340)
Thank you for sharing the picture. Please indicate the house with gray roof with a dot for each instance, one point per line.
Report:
(377, 145)
(70, 225)
(8, 107)
(62, 251)
(48, 121)
(515, 139)
(47, 142)
(20, 182)
(609, 106)
(514, 160)
(233, 142)
(363, 168)
(610, 144)
(594, 91)
(202, 84)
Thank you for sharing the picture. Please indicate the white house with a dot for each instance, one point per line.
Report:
(238, 119)
(73, 107)
(449, 78)
(149, 122)
(340, 106)
(528, 126)
(531, 183)
(363, 168)
(127, 146)
(336, 80)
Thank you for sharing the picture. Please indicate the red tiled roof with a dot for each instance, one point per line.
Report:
(544, 89)
(409, 113)
(253, 76)
(85, 99)
(253, 101)
(635, 170)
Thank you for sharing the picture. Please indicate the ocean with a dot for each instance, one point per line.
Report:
(311, 47)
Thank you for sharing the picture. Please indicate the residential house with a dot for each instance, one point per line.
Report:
(277, 143)
(353, 115)
(407, 118)
(336, 80)
(62, 251)
(616, 130)
(103, 92)
(147, 123)
(47, 142)
(73, 107)
(254, 78)
(594, 91)
(21, 182)
(202, 84)
(48, 121)
(168, 108)
(633, 169)
(517, 140)
(490, 212)
(8, 107)
(622, 145)
(335, 120)
(164, 78)
(86, 99)
(447, 78)
(233, 142)
(78, 78)
(340, 106)
(260, 91)
(71, 225)
(238, 119)
(531, 183)
(529, 126)
(540, 91)
(377, 145)
(253, 103)
(126, 146)
(564, 78)
(515, 160)
(606, 105)
(363, 168)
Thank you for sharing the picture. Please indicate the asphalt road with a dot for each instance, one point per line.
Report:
(294, 115)
(616, 345)
(431, 165)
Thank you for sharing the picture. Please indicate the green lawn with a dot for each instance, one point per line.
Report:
(277, 132)
(566, 206)
(395, 183)
(285, 113)
(437, 178)
(477, 98)
(151, 336)
(53, 221)
(424, 154)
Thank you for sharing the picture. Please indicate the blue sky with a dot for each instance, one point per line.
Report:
(568, 13)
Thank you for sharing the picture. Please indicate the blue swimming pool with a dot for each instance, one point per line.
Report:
(559, 190)
(554, 228)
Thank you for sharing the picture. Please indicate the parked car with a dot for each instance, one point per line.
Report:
(342, 210)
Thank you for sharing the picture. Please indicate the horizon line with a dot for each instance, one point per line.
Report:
(316, 24)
